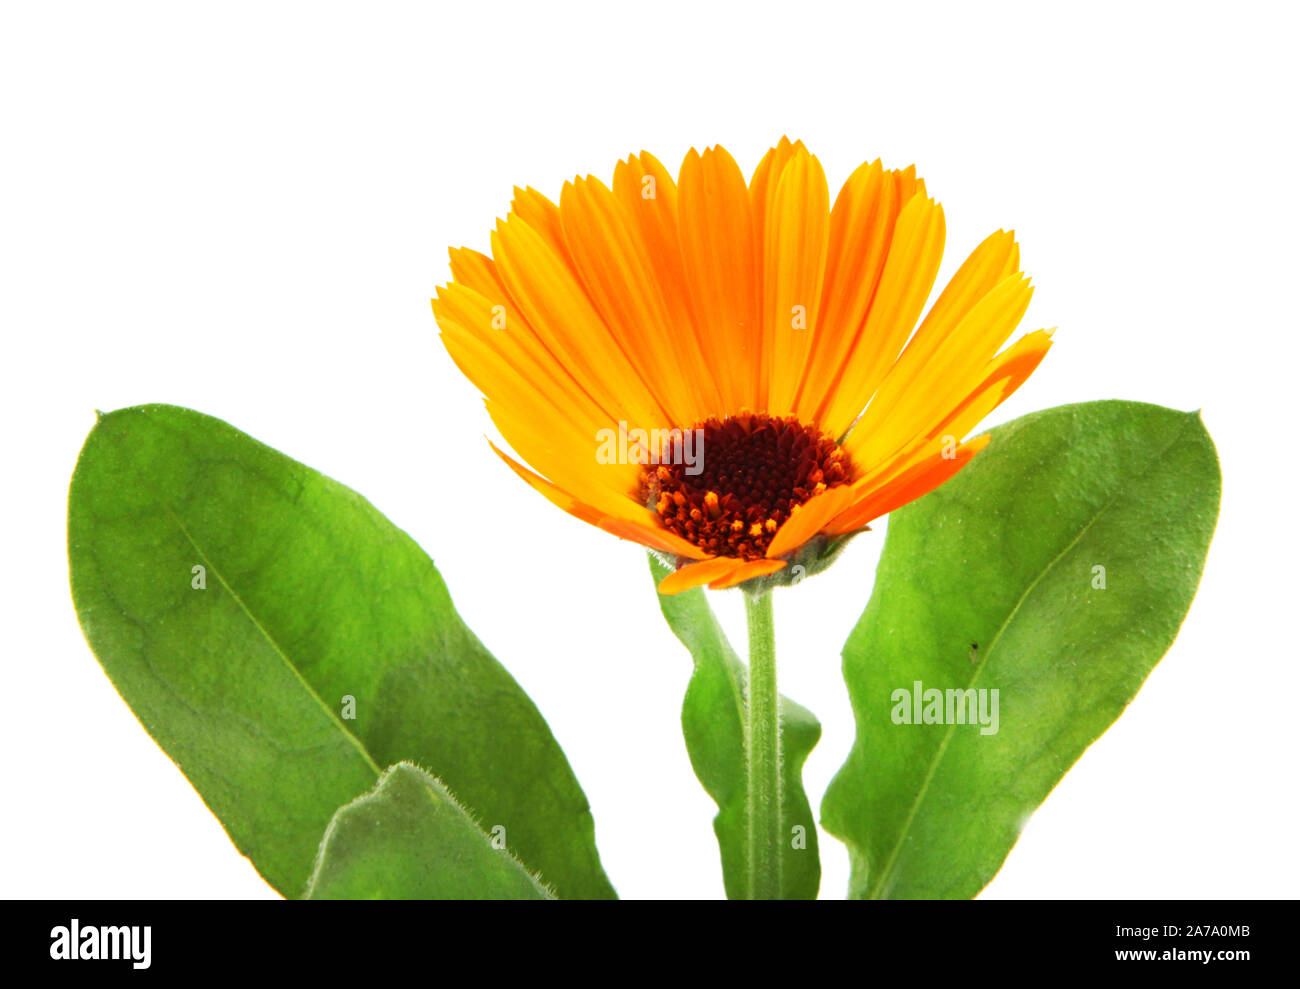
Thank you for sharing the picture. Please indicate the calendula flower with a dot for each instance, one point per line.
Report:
(726, 372)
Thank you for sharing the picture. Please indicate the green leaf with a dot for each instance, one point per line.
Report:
(322, 646)
(991, 582)
(713, 721)
(408, 839)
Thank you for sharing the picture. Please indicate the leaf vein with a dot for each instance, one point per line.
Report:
(891, 863)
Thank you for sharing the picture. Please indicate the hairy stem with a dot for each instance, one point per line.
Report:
(763, 753)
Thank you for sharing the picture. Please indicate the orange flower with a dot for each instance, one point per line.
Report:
(722, 371)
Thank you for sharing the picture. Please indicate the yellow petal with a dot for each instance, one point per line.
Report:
(925, 384)
(1004, 375)
(908, 276)
(558, 308)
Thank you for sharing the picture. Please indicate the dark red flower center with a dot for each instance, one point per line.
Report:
(729, 485)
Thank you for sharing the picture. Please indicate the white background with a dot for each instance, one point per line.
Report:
(244, 208)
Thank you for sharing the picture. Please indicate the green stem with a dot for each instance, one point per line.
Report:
(763, 753)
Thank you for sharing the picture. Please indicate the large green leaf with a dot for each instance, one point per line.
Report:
(713, 721)
(409, 839)
(992, 582)
(314, 608)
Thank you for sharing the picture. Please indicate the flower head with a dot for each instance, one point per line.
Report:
(726, 372)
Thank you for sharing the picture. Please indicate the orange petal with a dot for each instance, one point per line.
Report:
(910, 270)
(747, 571)
(643, 531)
(556, 495)
(652, 536)
(763, 182)
(861, 224)
(696, 574)
(909, 486)
(762, 192)
(648, 195)
(716, 227)
(808, 519)
(794, 267)
(619, 279)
